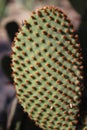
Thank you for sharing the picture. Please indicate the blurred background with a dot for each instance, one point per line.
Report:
(12, 15)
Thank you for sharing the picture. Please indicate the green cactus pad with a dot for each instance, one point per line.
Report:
(47, 69)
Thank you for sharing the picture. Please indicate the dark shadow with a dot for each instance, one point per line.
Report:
(6, 67)
(25, 122)
(82, 33)
(79, 5)
(11, 28)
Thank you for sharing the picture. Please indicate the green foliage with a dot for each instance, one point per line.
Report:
(47, 69)
(2, 8)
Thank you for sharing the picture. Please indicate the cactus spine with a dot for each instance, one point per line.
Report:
(47, 69)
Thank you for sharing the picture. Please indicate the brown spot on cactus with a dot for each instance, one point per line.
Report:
(47, 69)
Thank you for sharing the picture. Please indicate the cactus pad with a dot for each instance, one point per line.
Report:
(47, 69)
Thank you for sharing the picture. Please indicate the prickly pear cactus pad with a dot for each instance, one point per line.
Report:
(47, 69)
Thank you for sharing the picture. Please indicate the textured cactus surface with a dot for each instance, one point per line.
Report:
(47, 69)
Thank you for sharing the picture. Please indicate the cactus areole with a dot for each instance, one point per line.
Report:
(47, 69)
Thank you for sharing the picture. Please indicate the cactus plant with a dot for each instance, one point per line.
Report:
(47, 69)
(2, 8)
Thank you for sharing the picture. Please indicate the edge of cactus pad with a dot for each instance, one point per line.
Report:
(47, 69)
